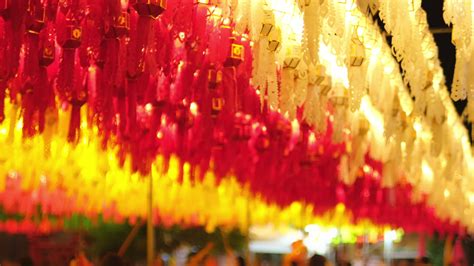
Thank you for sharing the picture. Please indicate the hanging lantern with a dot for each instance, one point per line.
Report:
(150, 8)
(340, 101)
(293, 57)
(236, 55)
(263, 141)
(357, 53)
(37, 20)
(47, 54)
(325, 86)
(217, 104)
(311, 154)
(219, 137)
(242, 126)
(317, 74)
(72, 37)
(214, 77)
(118, 26)
(184, 118)
(268, 22)
(274, 39)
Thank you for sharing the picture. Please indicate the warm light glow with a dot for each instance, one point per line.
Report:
(193, 108)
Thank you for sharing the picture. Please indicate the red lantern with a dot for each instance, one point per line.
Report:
(219, 137)
(242, 126)
(214, 77)
(47, 54)
(183, 116)
(37, 19)
(236, 54)
(118, 26)
(217, 103)
(263, 142)
(150, 8)
(72, 37)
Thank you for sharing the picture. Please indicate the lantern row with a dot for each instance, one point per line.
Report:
(155, 82)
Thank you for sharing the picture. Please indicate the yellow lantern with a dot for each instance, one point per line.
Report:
(293, 57)
(274, 40)
(357, 53)
(339, 96)
(268, 22)
(325, 86)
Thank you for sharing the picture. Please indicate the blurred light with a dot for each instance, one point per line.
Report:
(193, 108)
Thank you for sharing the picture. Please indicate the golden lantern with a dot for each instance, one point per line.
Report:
(274, 40)
(293, 57)
(357, 53)
(319, 74)
(268, 22)
(325, 86)
(339, 96)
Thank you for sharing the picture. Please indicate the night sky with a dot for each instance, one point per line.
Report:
(447, 51)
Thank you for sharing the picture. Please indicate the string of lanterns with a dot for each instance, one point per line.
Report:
(182, 78)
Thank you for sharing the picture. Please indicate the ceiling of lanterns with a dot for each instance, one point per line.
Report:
(396, 87)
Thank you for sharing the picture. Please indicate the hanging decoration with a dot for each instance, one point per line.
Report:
(278, 101)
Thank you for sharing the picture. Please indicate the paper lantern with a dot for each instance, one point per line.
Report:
(219, 137)
(37, 20)
(150, 8)
(47, 54)
(317, 74)
(325, 86)
(274, 40)
(357, 53)
(214, 77)
(263, 142)
(242, 126)
(340, 101)
(72, 37)
(217, 103)
(118, 26)
(268, 23)
(236, 54)
(183, 116)
(293, 57)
